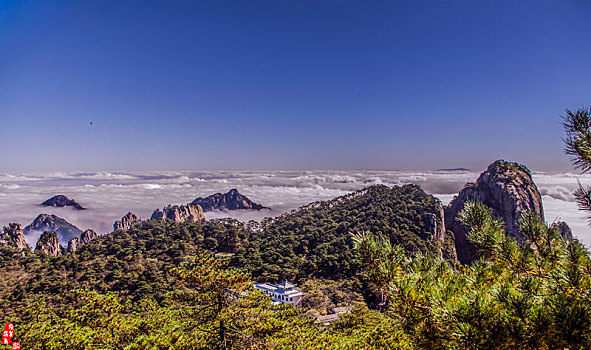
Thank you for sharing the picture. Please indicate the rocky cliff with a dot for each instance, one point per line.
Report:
(13, 236)
(505, 187)
(62, 201)
(75, 243)
(184, 213)
(434, 224)
(49, 244)
(228, 201)
(65, 231)
(126, 222)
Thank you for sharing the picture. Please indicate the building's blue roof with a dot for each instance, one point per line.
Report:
(285, 288)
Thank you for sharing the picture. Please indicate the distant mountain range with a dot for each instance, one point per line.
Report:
(454, 169)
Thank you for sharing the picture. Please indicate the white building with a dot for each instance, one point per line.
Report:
(283, 293)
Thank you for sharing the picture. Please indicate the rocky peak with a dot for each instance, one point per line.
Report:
(62, 201)
(184, 213)
(126, 222)
(88, 236)
(49, 244)
(232, 200)
(505, 187)
(13, 237)
(76, 243)
(44, 222)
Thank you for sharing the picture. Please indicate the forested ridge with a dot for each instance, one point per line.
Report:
(317, 240)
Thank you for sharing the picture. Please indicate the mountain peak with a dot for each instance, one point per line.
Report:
(232, 200)
(185, 213)
(61, 201)
(13, 236)
(508, 189)
(48, 222)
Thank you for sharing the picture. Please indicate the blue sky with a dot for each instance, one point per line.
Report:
(172, 85)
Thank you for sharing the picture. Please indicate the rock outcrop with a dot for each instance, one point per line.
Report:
(434, 224)
(232, 200)
(184, 213)
(49, 244)
(564, 230)
(62, 201)
(73, 245)
(126, 222)
(13, 236)
(88, 236)
(44, 222)
(76, 243)
(505, 187)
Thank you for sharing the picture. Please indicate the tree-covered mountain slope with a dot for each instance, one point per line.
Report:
(316, 240)
(134, 263)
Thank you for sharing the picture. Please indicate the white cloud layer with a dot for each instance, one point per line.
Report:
(108, 196)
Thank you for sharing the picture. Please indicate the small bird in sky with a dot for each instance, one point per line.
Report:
(90, 123)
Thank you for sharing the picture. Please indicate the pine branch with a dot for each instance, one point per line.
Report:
(577, 126)
(583, 198)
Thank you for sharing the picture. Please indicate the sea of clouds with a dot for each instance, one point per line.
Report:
(109, 196)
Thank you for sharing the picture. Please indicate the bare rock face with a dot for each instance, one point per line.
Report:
(434, 224)
(13, 237)
(87, 236)
(126, 222)
(505, 187)
(184, 213)
(73, 245)
(76, 243)
(232, 200)
(49, 244)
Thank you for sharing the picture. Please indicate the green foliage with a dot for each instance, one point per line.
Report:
(316, 241)
(135, 264)
(577, 125)
(529, 295)
(321, 296)
(217, 309)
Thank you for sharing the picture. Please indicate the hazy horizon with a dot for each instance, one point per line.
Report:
(109, 196)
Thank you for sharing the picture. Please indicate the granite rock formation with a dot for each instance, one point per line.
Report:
(232, 200)
(13, 236)
(62, 201)
(505, 187)
(49, 244)
(126, 222)
(75, 243)
(434, 224)
(44, 222)
(184, 213)
(88, 236)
